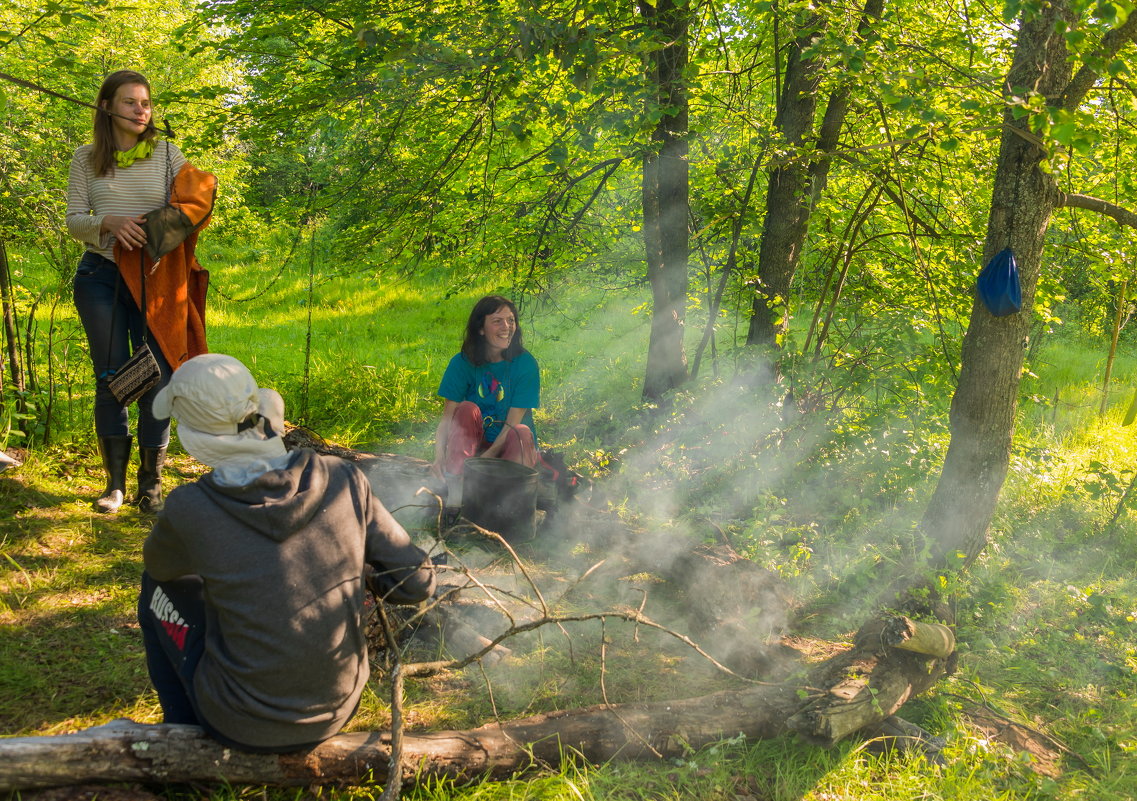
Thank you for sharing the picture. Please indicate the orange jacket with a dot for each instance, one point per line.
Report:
(176, 283)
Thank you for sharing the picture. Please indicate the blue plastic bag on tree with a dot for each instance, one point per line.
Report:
(999, 284)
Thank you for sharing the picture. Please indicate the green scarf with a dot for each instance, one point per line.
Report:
(140, 151)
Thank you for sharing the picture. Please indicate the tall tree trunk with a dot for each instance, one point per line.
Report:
(983, 408)
(788, 199)
(665, 200)
(10, 339)
(794, 187)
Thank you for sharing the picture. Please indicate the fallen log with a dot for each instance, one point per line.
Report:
(126, 751)
(738, 608)
(892, 660)
(405, 485)
(459, 639)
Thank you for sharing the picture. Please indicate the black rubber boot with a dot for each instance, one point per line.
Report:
(116, 456)
(149, 497)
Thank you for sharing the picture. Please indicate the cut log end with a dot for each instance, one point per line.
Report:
(893, 660)
(930, 639)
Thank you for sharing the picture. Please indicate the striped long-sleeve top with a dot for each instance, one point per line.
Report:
(130, 191)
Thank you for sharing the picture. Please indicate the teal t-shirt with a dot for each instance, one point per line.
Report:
(496, 387)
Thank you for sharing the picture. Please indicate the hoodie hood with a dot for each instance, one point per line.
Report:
(278, 502)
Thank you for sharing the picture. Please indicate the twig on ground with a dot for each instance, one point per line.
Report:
(604, 694)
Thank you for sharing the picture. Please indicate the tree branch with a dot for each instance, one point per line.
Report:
(1087, 75)
(1121, 215)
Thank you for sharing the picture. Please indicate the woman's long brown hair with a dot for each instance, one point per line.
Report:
(102, 154)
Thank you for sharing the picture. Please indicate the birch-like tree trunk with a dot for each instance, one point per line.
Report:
(665, 199)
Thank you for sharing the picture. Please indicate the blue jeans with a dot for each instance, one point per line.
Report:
(113, 331)
(171, 615)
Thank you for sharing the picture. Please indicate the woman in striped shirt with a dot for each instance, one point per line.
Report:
(124, 173)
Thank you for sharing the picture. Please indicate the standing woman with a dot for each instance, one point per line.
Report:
(490, 390)
(113, 183)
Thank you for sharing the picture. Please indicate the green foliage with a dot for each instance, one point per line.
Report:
(383, 165)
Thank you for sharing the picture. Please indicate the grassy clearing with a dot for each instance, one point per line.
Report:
(1048, 617)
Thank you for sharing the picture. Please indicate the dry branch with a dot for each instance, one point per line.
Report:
(867, 684)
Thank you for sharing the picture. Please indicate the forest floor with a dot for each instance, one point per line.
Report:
(1043, 704)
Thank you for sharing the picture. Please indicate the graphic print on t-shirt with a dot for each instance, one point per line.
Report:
(490, 387)
(173, 623)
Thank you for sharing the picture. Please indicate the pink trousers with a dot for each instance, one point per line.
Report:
(466, 438)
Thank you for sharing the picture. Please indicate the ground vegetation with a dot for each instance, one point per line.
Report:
(792, 392)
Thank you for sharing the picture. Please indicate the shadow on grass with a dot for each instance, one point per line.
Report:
(81, 663)
(70, 649)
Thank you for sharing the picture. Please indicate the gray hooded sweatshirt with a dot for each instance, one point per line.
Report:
(282, 561)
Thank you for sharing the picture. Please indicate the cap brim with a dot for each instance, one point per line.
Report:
(271, 407)
(163, 403)
(197, 444)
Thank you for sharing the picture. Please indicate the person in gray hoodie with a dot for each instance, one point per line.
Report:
(252, 598)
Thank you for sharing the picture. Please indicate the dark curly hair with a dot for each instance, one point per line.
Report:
(474, 345)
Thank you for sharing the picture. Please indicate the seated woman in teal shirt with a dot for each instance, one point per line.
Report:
(491, 389)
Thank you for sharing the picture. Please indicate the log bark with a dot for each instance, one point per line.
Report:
(170, 754)
(868, 683)
(404, 484)
(459, 639)
(871, 682)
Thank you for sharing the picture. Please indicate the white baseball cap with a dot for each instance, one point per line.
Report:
(222, 414)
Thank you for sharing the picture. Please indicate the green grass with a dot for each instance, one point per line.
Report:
(366, 372)
(826, 497)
